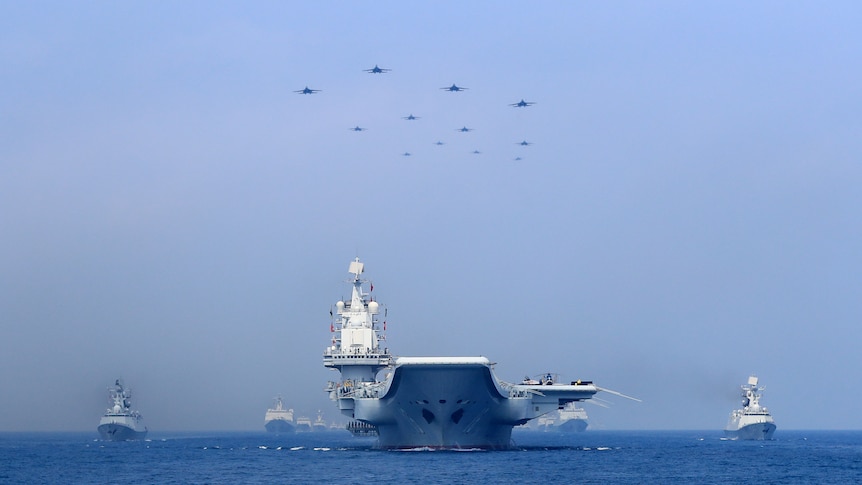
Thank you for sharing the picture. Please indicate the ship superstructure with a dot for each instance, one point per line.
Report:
(120, 422)
(279, 419)
(752, 421)
(438, 402)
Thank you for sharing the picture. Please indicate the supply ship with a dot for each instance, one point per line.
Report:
(278, 419)
(120, 422)
(433, 402)
(752, 421)
(571, 419)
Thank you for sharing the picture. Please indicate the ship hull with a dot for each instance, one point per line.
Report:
(280, 426)
(454, 404)
(572, 426)
(443, 406)
(755, 431)
(120, 432)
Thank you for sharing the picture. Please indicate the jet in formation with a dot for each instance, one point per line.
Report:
(476, 152)
(464, 129)
(453, 88)
(410, 117)
(522, 104)
(377, 70)
(405, 154)
(439, 143)
(524, 143)
(357, 128)
(307, 90)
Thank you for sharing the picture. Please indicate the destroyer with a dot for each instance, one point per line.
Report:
(120, 423)
(435, 402)
(278, 419)
(753, 421)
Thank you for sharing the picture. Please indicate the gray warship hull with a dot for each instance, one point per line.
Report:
(572, 426)
(120, 432)
(450, 404)
(279, 426)
(756, 431)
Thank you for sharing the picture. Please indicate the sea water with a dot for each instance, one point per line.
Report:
(702, 457)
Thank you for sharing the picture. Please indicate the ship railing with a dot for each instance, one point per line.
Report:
(345, 389)
(517, 392)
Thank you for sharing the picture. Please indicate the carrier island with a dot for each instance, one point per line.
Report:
(435, 402)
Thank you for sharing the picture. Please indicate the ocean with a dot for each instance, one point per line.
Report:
(700, 457)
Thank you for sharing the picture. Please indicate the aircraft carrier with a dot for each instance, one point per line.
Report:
(434, 402)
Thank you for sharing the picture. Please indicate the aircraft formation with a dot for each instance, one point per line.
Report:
(454, 88)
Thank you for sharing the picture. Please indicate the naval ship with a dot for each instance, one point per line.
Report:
(752, 421)
(120, 423)
(278, 419)
(571, 419)
(433, 402)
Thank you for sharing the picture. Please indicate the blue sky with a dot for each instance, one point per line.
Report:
(687, 214)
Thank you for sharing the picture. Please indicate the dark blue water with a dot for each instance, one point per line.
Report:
(337, 457)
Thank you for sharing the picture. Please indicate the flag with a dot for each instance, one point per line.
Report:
(384, 324)
(372, 287)
(331, 327)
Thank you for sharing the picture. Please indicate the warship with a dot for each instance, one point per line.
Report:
(752, 421)
(571, 419)
(120, 422)
(278, 419)
(303, 424)
(428, 402)
(319, 423)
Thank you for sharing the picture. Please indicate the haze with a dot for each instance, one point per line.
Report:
(173, 214)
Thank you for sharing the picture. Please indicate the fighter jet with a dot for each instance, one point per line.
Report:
(464, 129)
(405, 154)
(476, 152)
(307, 90)
(357, 128)
(439, 143)
(410, 118)
(453, 88)
(524, 143)
(517, 158)
(522, 104)
(377, 70)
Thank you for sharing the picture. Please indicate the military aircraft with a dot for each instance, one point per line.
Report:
(357, 128)
(517, 158)
(476, 152)
(307, 90)
(523, 143)
(377, 70)
(405, 154)
(453, 88)
(522, 104)
(439, 143)
(464, 129)
(411, 117)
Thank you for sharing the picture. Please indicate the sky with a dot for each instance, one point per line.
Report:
(687, 214)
